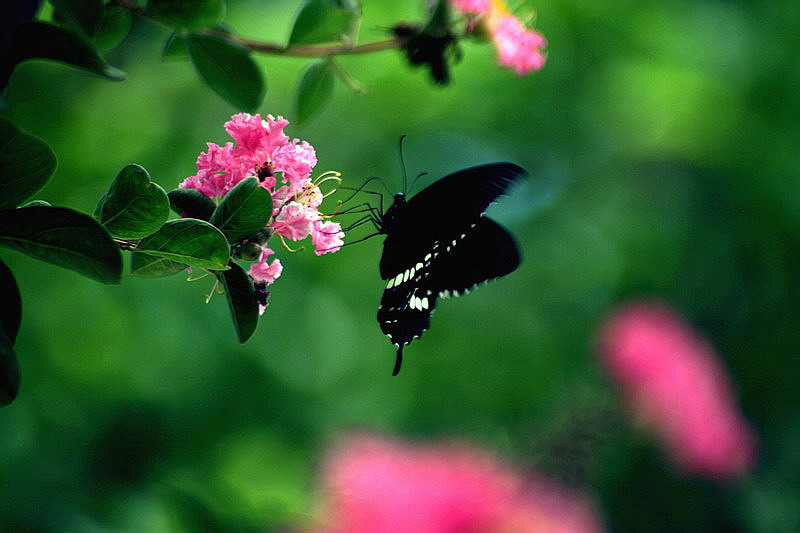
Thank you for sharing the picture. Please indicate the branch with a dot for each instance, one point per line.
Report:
(276, 49)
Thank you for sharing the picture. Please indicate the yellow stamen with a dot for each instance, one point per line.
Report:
(283, 241)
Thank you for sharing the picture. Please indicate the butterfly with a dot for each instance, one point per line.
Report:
(439, 244)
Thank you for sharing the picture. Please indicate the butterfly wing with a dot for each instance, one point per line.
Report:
(444, 210)
(443, 246)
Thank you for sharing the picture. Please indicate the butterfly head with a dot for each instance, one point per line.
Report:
(391, 216)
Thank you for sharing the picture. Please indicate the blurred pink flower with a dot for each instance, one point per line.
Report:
(473, 6)
(375, 485)
(517, 47)
(673, 383)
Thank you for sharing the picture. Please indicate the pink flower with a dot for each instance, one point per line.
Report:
(473, 6)
(376, 485)
(263, 271)
(283, 167)
(516, 46)
(258, 145)
(294, 221)
(673, 383)
(327, 237)
(295, 160)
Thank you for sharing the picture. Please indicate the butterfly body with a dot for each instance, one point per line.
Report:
(439, 244)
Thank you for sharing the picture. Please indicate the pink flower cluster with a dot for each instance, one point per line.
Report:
(283, 166)
(375, 485)
(674, 385)
(517, 47)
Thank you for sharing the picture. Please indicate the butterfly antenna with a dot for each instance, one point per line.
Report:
(414, 182)
(361, 188)
(399, 361)
(403, 164)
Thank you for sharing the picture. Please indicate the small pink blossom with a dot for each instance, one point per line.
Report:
(673, 383)
(376, 485)
(326, 236)
(517, 47)
(294, 221)
(263, 271)
(473, 6)
(296, 160)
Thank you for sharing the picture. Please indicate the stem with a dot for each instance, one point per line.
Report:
(276, 49)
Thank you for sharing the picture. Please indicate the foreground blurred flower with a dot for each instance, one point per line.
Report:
(674, 385)
(517, 47)
(283, 167)
(374, 485)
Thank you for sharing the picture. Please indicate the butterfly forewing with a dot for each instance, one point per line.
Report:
(441, 245)
(444, 210)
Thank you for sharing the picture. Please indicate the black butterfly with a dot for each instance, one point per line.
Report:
(439, 244)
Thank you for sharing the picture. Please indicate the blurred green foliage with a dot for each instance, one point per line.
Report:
(662, 139)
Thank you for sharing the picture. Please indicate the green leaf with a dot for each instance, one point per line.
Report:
(46, 41)
(84, 16)
(189, 241)
(191, 203)
(150, 266)
(175, 47)
(9, 371)
(26, 163)
(113, 28)
(134, 206)
(180, 14)
(241, 294)
(63, 237)
(315, 89)
(243, 211)
(228, 69)
(11, 309)
(320, 21)
(33, 203)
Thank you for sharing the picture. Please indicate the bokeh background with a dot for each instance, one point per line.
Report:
(663, 142)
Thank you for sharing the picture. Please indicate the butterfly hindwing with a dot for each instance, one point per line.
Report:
(451, 268)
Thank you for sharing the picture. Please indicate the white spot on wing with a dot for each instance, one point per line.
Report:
(398, 279)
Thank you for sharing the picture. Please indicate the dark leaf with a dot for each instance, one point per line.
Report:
(191, 203)
(320, 21)
(9, 371)
(180, 14)
(315, 89)
(150, 266)
(63, 237)
(175, 47)
(33, 40)
(229, 69)
(241, 294)
(26, 163)
(243, 211)
(113, 28)
(11, 309)
(188, 241)
(134, 206)
(83, 16)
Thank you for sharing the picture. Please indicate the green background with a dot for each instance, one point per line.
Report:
(663, 142)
